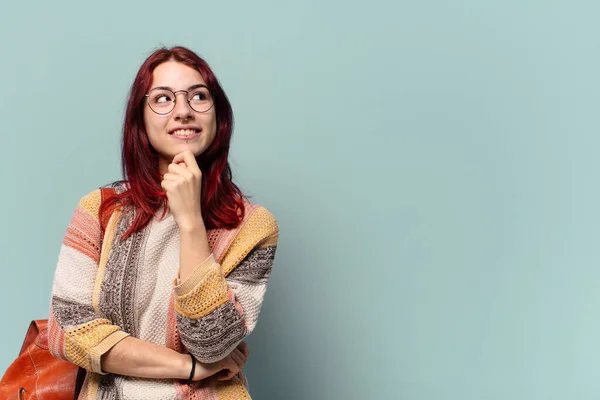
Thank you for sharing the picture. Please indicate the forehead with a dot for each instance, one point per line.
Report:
(175, 75)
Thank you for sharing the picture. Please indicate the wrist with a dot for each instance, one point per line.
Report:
(192, 225)
(193, 370)
(204, 371)
(185, 366)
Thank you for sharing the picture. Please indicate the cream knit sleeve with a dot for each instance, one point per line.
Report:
(76, 333)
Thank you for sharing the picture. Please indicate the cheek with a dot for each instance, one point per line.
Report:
(147, 122)
(153, 123)
(214, 125)
(213, 121)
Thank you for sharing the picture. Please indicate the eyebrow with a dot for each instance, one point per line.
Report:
(198, 85)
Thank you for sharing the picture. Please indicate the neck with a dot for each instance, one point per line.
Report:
(163, 165)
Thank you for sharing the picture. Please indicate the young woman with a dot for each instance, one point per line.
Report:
(161, 276)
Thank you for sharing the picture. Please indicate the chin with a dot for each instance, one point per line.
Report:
(196, 152)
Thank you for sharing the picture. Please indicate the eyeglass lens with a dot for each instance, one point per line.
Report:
(162, 101)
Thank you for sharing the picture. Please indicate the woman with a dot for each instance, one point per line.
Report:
(162, 276)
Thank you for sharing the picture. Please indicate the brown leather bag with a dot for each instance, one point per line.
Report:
(38, 375)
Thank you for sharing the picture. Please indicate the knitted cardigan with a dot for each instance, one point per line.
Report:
(106, 289)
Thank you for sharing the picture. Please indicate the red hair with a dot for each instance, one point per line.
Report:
(222, 202)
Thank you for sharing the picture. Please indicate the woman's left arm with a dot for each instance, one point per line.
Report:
(218, 304)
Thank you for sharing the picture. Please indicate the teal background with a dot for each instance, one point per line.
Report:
(432, 165)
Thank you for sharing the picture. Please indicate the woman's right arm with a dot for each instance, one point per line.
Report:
(135, 357)
(76, 332)
(79, 335)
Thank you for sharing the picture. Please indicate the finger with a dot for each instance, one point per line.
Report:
(173, 177)
(227, 376)
(180, 170)
(166, 185)
(233, 368)
(188, 158)
(228, 363)
(170, 184)
(238, 358)
(243, 346)
(243, 356)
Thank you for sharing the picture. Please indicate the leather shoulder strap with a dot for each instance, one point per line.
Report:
(30, 336)
(79, 382)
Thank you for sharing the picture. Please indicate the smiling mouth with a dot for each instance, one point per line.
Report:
(185, 133)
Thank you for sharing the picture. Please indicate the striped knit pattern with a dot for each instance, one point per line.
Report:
(106, 288)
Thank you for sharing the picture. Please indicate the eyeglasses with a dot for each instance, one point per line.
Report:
(162, 100)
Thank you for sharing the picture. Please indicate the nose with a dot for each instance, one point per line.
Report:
(182, 109)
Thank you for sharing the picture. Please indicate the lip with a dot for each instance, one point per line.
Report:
(186, 137)
(195, 128)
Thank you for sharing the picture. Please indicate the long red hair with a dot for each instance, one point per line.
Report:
(222, 201)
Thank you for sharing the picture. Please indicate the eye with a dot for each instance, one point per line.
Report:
(162, 98)
(199, 96)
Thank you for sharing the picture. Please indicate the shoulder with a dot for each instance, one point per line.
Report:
(91, 202)
(259, 218)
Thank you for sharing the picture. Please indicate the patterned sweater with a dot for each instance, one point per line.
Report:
(106, 289)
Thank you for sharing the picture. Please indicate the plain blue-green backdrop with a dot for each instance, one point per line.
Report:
(433, 166)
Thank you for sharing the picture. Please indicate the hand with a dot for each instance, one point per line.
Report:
(234, 362)
(226, 368)
(182, 184)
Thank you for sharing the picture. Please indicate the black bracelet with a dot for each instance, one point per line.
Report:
(189, 381)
